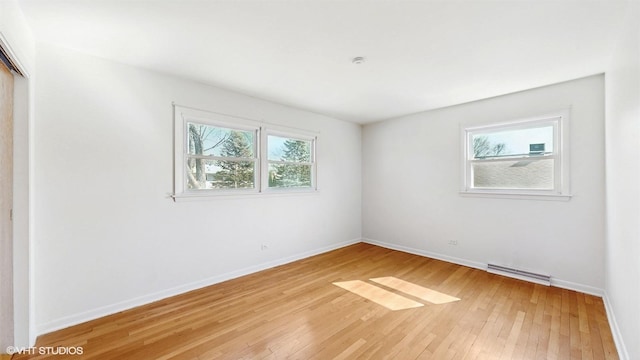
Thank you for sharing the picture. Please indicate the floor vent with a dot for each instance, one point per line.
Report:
(519, 274)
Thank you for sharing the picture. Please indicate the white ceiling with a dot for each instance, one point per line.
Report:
(420, 55)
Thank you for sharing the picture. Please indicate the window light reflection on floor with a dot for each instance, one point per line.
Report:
(391, 300)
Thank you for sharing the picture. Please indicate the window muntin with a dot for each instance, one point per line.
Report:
(525, 157)
(220, 157)
(290, 162)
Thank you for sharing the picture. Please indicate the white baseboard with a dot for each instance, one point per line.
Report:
(75, 319)
(482, 266)
(623, 354)
(432, 255)
(587, 289)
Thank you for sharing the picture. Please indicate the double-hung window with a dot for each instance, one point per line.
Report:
(290, 161)
(524, 157)
(219, 157)
(218, 154)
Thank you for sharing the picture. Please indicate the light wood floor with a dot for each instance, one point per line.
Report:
(295, 311)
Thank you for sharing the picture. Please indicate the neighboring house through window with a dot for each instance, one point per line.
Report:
(526, 157)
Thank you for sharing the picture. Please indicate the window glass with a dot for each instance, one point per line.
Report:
(517, 174)
(289, 175)
(290, 162)
(513, 142)
(219, 141)
(288, 149)
(220, 174)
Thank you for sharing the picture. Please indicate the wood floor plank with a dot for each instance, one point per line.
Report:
(295, 312)
(510, 345)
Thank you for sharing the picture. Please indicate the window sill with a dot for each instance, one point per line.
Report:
(209, 196)
(516, 196)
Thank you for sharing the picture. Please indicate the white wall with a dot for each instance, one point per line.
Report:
(411, 201)
(15, 30)
(16, 35)
(108, 235)
(623, 192)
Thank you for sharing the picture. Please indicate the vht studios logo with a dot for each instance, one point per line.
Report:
(46, 350)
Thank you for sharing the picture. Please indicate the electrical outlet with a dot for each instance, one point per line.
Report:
(264, 247)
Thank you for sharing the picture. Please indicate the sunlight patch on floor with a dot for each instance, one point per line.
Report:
(378, 295)
(391, 300)
(432, 296)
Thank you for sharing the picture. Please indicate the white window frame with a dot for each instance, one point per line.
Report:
(184, 115)
(296, 135)
(561, 156)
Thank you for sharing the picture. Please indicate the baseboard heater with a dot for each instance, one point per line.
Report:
(519, 274)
